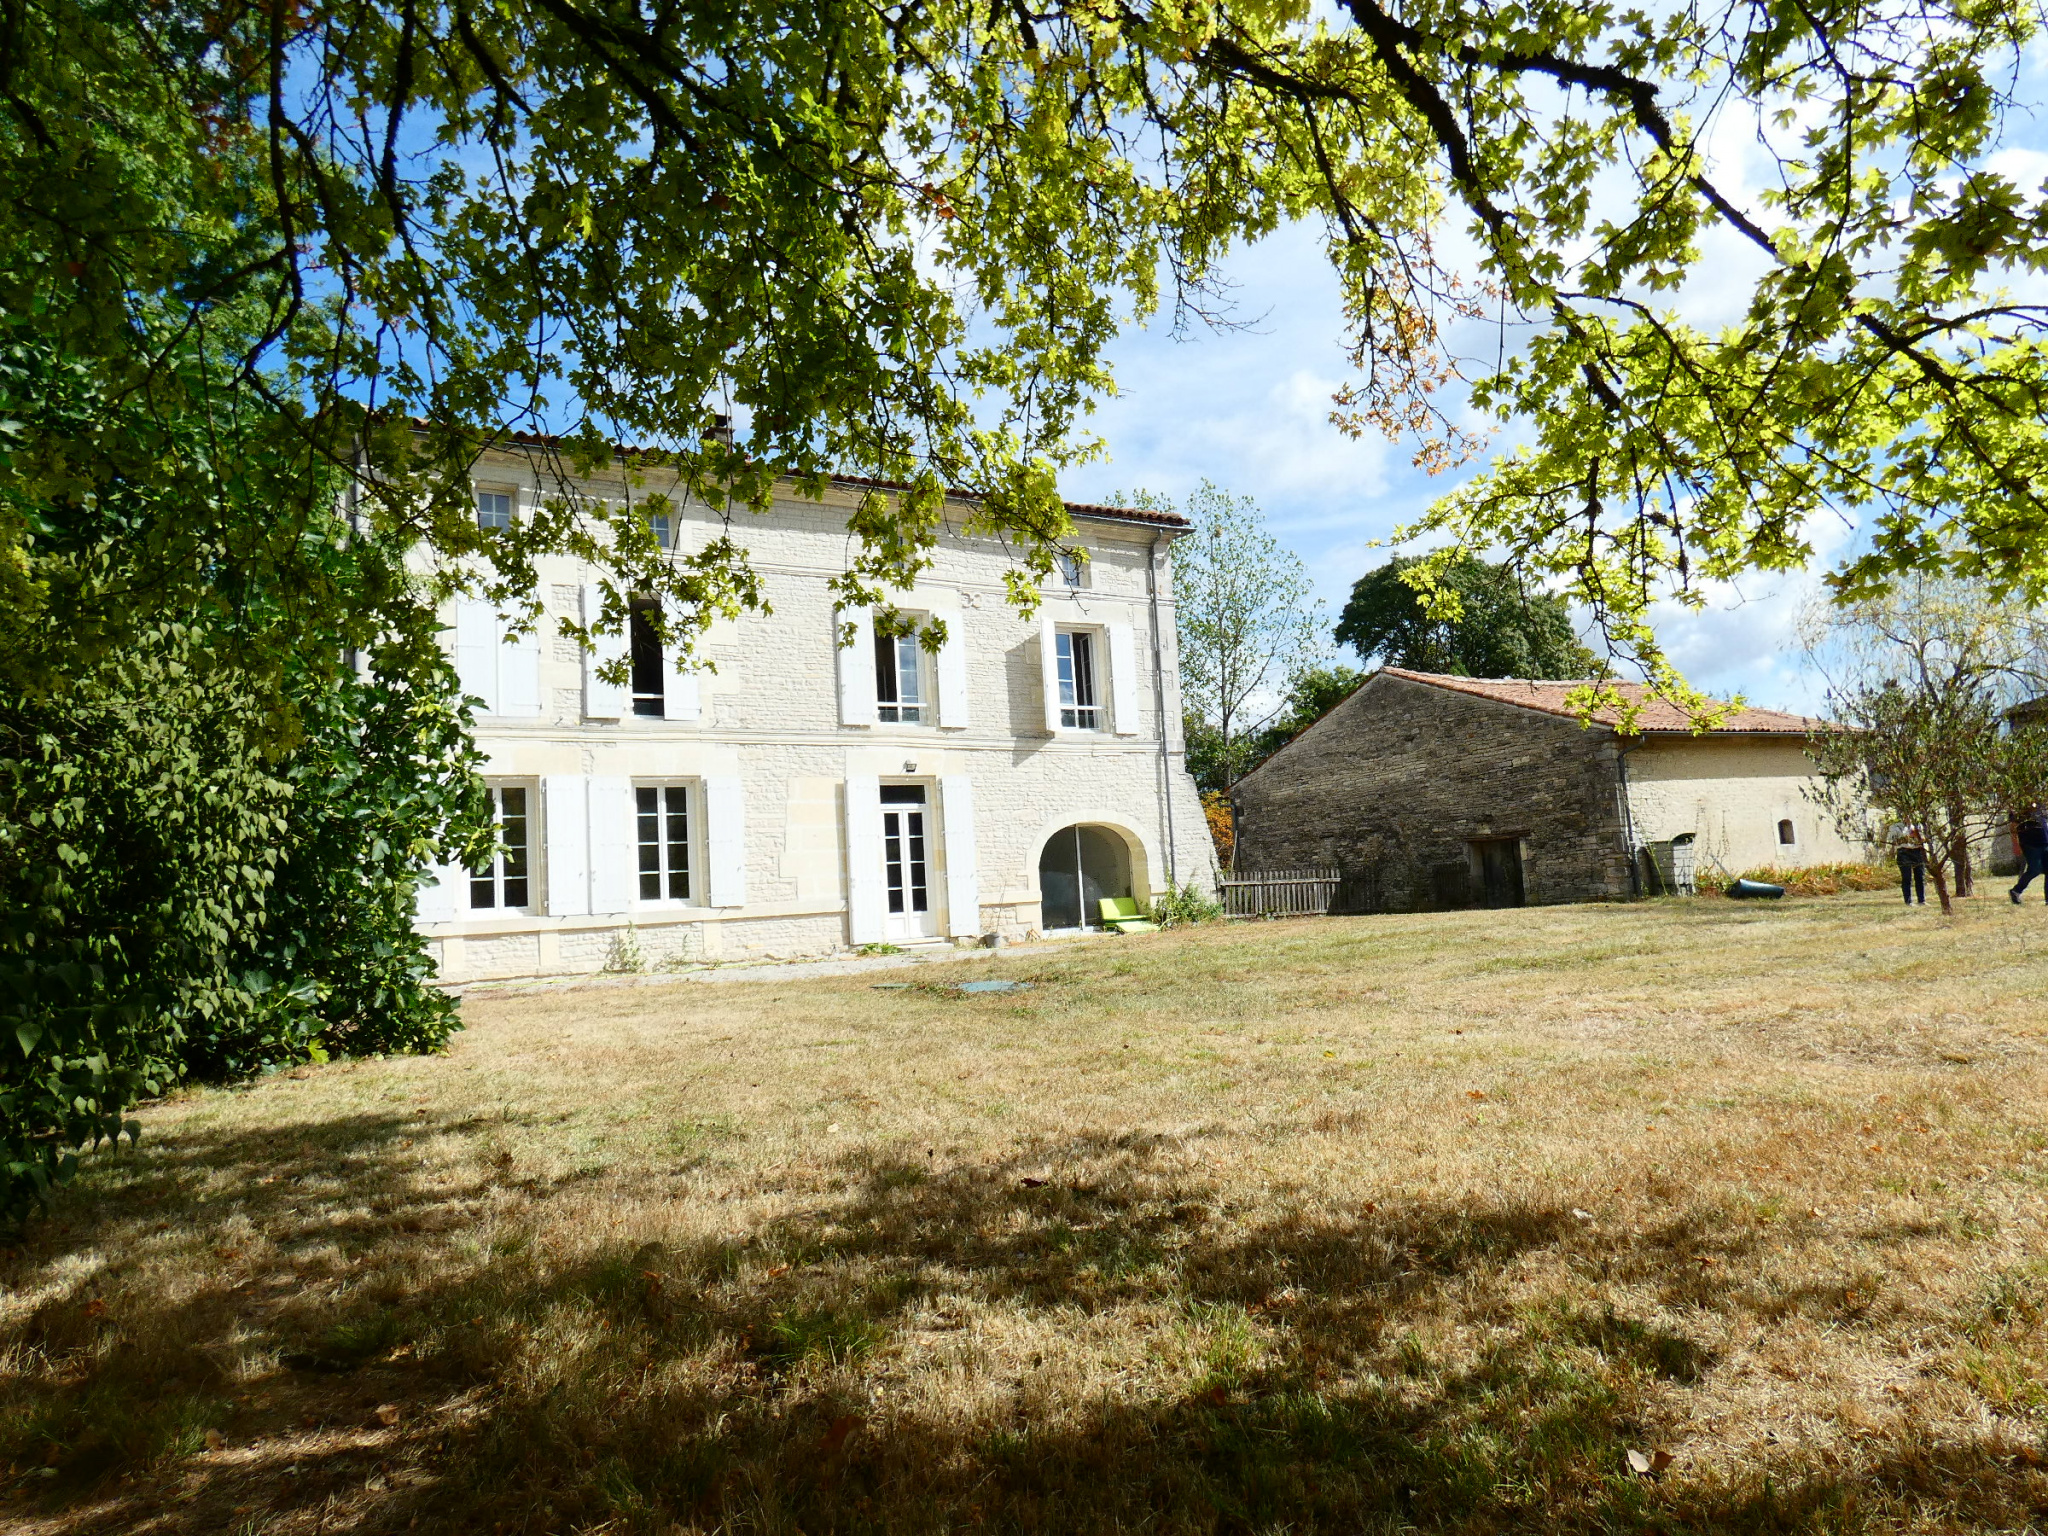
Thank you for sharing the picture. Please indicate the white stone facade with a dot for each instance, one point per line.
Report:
(1747, 800)
(804, 811)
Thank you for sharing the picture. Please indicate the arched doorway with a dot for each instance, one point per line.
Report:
(1079, 866)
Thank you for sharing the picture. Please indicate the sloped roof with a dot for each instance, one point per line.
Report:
(1655, 717)
(1074, 508)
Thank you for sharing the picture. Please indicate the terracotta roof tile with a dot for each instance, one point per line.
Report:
(1656, 717)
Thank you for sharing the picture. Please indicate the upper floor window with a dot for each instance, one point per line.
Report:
(1079, 706)
(663, 821)
(493, 510)
(899, 680)
(1069, 569)
(1786, 836)
(658, 525)
(650, 677)
(502, 885)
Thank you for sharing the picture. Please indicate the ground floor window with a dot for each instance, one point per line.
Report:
(503, 884)
(664, 835)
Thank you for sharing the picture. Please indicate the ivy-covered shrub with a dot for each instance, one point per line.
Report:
(230, 747)
(177, 903)
(140, 834)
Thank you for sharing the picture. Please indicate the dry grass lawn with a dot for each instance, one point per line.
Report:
(1325, 1226)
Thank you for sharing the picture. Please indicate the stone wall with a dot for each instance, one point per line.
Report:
(1395, 785)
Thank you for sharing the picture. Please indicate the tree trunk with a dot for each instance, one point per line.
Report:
(1938, 868)
(1959, 854)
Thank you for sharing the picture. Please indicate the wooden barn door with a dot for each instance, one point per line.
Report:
(1500, 871)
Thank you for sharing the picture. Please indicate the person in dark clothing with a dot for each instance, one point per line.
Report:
(2032, 831)
(1913, 865)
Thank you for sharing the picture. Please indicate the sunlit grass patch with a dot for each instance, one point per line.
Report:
(1355, 1225)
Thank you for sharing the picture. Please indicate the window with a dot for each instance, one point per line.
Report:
(493, 510)
(899, 679)
(658, 525)
(1786, 837)
(650, 678)
(1069, 568)
(503, 884)
(664, 829)
(1076, 656)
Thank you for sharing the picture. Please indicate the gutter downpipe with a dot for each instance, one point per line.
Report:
(1159, 693)
(1628, 817)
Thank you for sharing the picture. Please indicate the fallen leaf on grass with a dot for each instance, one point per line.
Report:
(1582, 1215)
(1475, 1093)
(387, 1414)
(1648, 1464)
(1032, 1183)
(837, 1431)
(215, 1439)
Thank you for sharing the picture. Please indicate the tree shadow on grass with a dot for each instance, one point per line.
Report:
(758, 1382)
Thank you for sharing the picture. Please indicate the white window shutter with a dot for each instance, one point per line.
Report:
(963, 882)
(440, 895)
(1049, 670)
(681, 699)
(476, 651)
(601, 700)
(856, 667)
(614, 849)
(725, 840)
(565, 823)
(951, 665)
(518, 673)
(864, 895)
(1123, 679)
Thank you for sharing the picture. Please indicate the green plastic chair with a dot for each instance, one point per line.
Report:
(1122, 914)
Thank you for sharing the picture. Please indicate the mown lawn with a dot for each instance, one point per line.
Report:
(1324, 1226)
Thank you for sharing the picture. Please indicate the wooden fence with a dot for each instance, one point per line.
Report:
(1280, 892)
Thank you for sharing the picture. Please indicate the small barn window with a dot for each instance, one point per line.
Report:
(1786, 837)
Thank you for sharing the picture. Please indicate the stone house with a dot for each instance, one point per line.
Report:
(1427, 791)
(789, 795)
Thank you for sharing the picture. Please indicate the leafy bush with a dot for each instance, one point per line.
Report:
(1813, 880)
(1185, 905)
(212, 825)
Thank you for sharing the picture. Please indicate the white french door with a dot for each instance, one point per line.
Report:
(906, 866)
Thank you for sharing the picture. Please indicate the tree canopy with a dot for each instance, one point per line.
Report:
(1247, 627)
(898, 238)
(1476, 619)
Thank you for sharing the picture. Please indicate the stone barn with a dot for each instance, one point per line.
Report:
(1426, 791)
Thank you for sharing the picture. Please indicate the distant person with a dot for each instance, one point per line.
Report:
(1913, 865)
(2031, 828)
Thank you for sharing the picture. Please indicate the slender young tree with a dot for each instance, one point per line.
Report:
(1248, 625)
(1922, 682)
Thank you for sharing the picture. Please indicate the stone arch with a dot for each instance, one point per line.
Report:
(1081, 858)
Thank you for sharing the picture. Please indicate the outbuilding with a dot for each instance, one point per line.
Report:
(1430, 791)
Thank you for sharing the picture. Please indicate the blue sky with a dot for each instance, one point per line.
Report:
(1249, 410)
